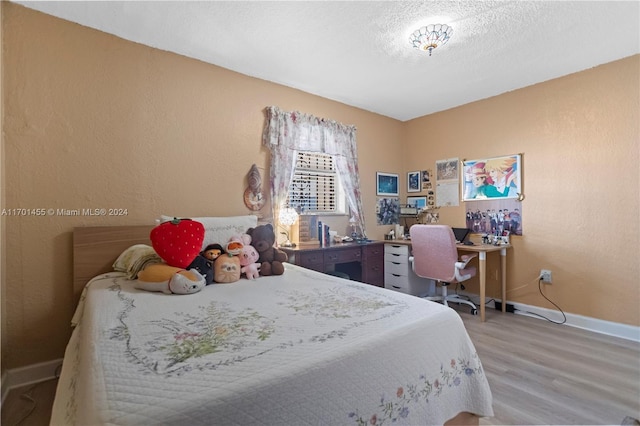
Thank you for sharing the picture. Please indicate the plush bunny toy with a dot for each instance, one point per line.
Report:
(249, 262)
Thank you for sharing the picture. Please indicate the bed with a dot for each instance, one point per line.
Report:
(298, 349)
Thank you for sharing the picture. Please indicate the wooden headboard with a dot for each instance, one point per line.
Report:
(95, 248)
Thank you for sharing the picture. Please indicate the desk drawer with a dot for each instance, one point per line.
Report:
(398, 267)
(396, 282)
(396, 249)
(311, 260)
(373, 252)
(351, 254)
(397, 258)
(373, 273)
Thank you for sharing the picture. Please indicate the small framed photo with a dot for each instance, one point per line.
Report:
(387, 184)
(426, 180)
(413, 182)
(419, 202)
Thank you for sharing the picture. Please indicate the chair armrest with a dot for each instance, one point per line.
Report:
(463, 273)
(465, 259)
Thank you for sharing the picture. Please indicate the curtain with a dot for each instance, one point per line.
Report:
(286, 133)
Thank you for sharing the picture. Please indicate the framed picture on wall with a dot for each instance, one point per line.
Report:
(426, 180)
(492, 178)
(388, 211)
(413, 182)
(387, 184)
(419, 202)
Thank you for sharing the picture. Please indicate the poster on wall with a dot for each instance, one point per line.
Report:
(387, 211)
(387, 183)
(447, 183)
(492, 178)
(495, 217)
(414, 183)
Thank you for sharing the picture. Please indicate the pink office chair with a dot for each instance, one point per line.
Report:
(435, 257)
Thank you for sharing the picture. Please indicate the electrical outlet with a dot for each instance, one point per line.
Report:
(545, 276)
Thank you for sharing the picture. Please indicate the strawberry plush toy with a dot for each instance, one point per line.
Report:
(178, 241)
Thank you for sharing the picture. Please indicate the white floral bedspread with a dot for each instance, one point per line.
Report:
(302, 348)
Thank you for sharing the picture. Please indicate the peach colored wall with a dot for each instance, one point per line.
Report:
(579, 138)
(94, 121)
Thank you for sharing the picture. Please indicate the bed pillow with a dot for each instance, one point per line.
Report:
(220, 229)
(134, 259)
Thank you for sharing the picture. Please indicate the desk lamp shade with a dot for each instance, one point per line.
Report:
(287, 217)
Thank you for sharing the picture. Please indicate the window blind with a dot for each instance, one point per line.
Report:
(314, 184)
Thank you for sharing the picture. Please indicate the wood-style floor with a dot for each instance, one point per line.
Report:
(29, 405)
(544, 373)
(539, 373)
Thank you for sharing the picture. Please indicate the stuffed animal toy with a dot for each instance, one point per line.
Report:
(169, 279)
(236, 243)
(226, 268)
(212, 251)
(178, 241)
(262, 238)
(204, 266)
(249, 262)
(203, 262)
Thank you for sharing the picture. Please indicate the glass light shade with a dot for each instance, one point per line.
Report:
(288, 216)
(431, 36)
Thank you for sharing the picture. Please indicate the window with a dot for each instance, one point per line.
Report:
(315, 187)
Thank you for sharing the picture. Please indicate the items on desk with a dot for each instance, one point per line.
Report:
(495, 240)
(461, 234)
(399, 232)
(408, 209)
(324, 237)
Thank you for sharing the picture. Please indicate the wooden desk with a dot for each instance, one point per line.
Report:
(482, 250)
(362, 262)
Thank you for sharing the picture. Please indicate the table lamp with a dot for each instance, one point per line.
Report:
(287, 217)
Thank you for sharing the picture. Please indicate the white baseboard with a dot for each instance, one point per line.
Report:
(29, 374)
(624, 331)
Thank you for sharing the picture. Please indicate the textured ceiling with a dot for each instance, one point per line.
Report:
(358, 53)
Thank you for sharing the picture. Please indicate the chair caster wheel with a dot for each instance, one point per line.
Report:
(474, 311)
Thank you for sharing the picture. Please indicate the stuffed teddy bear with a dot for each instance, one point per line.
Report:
(169, 279)
(262, 238)
(249, 262)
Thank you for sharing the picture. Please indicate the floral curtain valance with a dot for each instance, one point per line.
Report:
(304, 132)
(286, 133)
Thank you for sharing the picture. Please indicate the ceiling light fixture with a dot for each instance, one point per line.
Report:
(431, 36)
